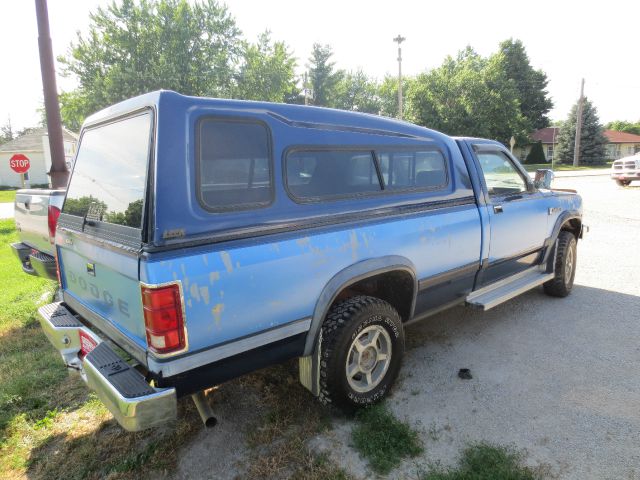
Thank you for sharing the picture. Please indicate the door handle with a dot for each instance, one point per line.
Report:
(497, 209)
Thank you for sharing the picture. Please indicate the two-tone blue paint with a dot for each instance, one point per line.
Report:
(250, 272)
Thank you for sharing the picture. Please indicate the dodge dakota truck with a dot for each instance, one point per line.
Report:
(201, 239)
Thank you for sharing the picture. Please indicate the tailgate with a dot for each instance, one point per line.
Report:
(32, 216)
(105, 283)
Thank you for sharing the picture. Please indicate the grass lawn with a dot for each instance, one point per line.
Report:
(50, 425)
(7, 196)
(561, 167)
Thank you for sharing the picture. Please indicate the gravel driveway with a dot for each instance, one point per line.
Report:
(557, 378)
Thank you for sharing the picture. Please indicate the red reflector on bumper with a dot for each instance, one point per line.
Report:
(87, 344)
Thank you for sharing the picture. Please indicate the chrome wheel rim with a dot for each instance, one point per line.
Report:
(368, 359)
(568, 266)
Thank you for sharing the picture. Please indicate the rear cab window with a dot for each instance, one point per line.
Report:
(327, 174)
(413, 169)
(106, 192)
(317, 174)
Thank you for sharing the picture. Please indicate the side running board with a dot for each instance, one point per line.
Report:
(499, 292)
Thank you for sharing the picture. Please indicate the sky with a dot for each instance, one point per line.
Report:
(567, 40)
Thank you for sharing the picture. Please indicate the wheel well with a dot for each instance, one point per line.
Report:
(395, 287)
(574, 226)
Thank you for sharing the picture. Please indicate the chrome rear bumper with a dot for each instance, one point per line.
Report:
(134, 403)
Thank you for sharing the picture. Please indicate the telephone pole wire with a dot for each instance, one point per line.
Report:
(399, 39)
(576, 149)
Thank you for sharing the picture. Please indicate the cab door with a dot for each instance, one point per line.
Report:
(517, 214)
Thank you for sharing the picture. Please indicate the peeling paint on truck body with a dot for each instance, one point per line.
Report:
(253, 277)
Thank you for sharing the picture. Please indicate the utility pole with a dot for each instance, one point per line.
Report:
(576, 148)
(59, 173)
(399, 39)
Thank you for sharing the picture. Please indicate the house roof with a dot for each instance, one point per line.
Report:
(546, 135)
(32, 141)
(549, 134)
(621, 137)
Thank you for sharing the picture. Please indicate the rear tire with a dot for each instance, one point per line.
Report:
(361, 352)
(623, 183)
(565, 266)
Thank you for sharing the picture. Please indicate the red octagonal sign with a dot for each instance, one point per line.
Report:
(19, 163)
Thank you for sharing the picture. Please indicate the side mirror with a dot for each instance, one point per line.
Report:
(543, 178)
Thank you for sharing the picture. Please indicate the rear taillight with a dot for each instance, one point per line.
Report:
(163, 318)
(53, 214)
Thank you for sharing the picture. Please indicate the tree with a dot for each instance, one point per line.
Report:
(624, 126)
(592, 139)
(323, 78)
(388, 94)
(6, 132)
(144, 45)
(536, 155)
(468, 95)
(267, 71)
(530, 84)
(355, 91)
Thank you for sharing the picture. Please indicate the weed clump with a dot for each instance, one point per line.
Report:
(383, 439)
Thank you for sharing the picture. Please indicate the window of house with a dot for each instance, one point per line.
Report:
(234, 165)
(549, 152)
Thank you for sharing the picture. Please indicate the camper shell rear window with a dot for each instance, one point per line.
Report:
(109, 178)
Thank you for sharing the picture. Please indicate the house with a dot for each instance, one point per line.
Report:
(35, 145)
(621, 144)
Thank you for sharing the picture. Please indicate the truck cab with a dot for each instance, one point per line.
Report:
(202, 239)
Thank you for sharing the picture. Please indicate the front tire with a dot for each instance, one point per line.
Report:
(623, 183)
(565, 266)
(361, 352)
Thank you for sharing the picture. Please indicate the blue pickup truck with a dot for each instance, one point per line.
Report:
(201, 239)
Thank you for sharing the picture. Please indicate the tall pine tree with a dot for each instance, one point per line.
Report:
(530, 83)
(592, 139)
(323, 77)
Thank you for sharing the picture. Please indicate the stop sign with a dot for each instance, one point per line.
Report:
(19, 163)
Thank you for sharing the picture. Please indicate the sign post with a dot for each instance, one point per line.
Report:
(20, 163)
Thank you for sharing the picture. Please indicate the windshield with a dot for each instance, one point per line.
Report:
(108, 179)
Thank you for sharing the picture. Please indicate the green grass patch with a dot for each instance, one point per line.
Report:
(7, 196)
(486, 462)
(383, 439)
(51, 426)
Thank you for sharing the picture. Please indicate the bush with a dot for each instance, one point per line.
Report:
(536, 155)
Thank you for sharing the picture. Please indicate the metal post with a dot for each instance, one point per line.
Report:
(59, 173)
(576, 149)
(399, 39)
(553, 147)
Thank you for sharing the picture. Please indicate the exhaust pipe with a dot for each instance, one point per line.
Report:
(204, 409)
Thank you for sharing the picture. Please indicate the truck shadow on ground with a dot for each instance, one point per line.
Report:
(266, 418)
